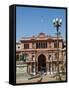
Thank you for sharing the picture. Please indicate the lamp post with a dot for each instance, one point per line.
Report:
(57, 23)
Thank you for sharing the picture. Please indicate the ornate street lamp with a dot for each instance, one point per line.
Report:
(57, 23)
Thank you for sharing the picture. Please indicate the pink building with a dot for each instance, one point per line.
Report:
(39, 53)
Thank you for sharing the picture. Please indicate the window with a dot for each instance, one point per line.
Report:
(33, 46)
(55, 56)
(49, 44)
(55, 44)
(41, 45)
(26, 46)
(45, 44)
(18, 47)
(36, 45)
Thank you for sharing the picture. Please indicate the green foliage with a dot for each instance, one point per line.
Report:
(23, 57)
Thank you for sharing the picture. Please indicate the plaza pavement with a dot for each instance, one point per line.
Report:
(44, 78)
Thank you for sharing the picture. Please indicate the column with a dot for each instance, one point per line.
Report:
(33, 66)
(54, 68)
(62, 61)
(51, 68)
(52, 55)
(30, 68)
(48, 68)
(34, 73)
(37, 67)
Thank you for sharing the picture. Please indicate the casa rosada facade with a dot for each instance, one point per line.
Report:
(39, 53)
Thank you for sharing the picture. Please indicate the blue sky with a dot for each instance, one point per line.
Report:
(31, 21)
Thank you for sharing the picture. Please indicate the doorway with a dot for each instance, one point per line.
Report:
(41, 63)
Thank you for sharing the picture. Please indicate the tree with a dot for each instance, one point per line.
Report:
(23, 57)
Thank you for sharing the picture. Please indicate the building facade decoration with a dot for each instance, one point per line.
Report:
(39, 53)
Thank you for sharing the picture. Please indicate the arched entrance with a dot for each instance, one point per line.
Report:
(42, 63)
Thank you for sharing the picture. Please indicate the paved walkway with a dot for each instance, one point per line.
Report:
(43, 78)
